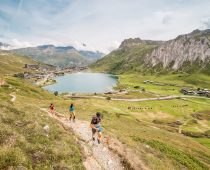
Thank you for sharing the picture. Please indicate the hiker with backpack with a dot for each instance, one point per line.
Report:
(72, 112)
(96, 127)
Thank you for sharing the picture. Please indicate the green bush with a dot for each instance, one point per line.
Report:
(136, 87)
(108, 98)
(56, 93)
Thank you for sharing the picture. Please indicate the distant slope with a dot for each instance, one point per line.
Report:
(60, 56)
(11, 63)
(91, 55)
(187, 53)
(128, 58)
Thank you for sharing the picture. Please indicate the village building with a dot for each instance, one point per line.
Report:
(187, 91)
(32, 66)
(200, 92)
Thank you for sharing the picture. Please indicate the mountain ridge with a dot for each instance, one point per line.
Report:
(63, 56)
(187, 53)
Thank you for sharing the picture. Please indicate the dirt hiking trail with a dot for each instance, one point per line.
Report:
(109, 155)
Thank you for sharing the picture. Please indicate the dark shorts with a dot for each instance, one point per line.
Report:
(93, 131)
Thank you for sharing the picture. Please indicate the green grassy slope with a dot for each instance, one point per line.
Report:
(175, 82)
(23, 141)
(150, 133)
(10, 63)
(130, 59)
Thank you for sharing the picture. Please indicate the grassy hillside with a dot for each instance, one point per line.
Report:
(152, 134)
(173, 82)
(148, 128)
(124, 60)
(11, 63)
(23, 141)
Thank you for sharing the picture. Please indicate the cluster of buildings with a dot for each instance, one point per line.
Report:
(40, 71)
(200, 92)
(27, 75)
(72, 69)
(43, 73)
(32, 66)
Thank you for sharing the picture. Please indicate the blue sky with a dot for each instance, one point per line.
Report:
(100, 24)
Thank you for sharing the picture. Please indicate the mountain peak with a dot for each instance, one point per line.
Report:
(137, 41)
(130, 42)
(188, 53)
(46, 46)
(197, 31)
(63, 56)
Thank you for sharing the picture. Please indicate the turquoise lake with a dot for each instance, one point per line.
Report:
(83, 83)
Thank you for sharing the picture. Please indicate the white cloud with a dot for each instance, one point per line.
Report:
(205, 23)
(15, 43)
(99, 24)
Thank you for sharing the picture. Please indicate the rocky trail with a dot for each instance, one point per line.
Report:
(111, 154)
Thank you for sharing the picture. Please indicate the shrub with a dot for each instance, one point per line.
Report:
(108, 98)
(56, 93)
(207, 133)
(136, 87)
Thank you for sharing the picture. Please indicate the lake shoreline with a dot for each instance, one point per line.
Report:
(95, 83)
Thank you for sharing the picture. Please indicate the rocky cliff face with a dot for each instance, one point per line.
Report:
(185, 48)
(187, 53)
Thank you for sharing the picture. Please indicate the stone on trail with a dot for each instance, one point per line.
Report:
(46, 128)
(109, 162)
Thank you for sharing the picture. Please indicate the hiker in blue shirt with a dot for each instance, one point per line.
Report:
(72, 112)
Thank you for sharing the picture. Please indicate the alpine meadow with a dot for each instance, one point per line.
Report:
(109, 85)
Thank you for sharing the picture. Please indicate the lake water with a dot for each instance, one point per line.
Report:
(83, 83)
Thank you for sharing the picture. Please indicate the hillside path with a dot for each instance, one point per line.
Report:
(109, 155)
